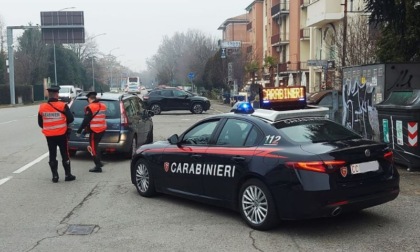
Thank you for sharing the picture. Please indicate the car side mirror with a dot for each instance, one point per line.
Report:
(174, 139)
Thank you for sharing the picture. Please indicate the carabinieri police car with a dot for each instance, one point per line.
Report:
(270, 165)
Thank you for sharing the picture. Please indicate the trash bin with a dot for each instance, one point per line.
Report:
(399, 118)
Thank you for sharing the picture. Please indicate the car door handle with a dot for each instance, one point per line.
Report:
(196, 156)
(238, 159)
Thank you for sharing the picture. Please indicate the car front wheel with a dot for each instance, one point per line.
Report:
(257, 205)
(144, 179)
(197, 108)
(156, 109)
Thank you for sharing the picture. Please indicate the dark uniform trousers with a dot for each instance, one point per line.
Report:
(62, 143)
(94, 139)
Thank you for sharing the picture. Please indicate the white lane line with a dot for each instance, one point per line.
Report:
(8, 122)
(31, 163)
(2, 181)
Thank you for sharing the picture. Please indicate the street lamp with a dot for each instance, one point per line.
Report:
(93, 68)
(55, 60)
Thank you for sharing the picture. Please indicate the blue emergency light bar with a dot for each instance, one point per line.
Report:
(242, 108)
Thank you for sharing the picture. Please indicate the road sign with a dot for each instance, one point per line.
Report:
(412, 134)
(191, 75)
(62, 27)
(230, 44)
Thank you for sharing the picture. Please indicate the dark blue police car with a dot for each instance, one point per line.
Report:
(270, 165)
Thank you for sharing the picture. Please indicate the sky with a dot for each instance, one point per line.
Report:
(134, 28)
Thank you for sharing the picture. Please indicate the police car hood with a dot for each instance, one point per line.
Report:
(153, 146)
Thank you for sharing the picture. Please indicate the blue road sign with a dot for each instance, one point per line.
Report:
(191, 75)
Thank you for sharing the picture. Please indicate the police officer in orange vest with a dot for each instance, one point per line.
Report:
(54, 117)
(94, 123)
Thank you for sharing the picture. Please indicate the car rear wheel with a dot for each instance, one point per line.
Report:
(257, 205)
(197, 108)
(156, 109)
(144, 179)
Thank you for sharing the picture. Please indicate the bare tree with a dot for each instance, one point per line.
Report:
(181, 54)
(361, 43)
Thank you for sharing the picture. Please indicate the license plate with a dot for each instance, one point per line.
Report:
(364, 167)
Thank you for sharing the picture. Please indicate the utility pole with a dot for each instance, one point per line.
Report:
(343, 59)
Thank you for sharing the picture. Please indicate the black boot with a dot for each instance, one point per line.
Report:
(67, 170)
(54, 167)
(98, 165)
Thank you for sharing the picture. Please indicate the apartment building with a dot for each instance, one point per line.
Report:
(299, 34)
(325, 18)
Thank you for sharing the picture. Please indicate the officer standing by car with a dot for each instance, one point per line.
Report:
(54, 117)
(94, 123)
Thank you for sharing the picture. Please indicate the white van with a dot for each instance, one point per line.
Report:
(67, 93)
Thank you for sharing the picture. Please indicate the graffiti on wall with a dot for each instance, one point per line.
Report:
(359, 112)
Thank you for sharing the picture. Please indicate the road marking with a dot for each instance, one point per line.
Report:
(2, 181)
(23, 168)
(9, 121)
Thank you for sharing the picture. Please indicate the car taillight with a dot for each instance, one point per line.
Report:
(389, 156)
(317, 166)
(124, 118)
(145, 97)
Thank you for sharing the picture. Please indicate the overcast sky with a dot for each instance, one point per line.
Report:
(136, 27)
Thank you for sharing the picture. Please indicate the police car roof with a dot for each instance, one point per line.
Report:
(273, 115)
(244, 108)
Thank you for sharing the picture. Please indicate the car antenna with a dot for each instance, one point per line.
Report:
(102, 93)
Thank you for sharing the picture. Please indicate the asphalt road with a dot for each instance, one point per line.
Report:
(37, 215)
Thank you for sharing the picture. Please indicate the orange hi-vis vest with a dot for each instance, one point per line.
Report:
(54, 123)
(98, 123)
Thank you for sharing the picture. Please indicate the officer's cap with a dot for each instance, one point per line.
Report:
(53, 89)
(91, 94)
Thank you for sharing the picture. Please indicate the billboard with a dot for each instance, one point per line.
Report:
(62, 27)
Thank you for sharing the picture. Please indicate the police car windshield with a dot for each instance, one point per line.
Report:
(307, 130)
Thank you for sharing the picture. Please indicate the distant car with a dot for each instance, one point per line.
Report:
(169, 99)
(133, 88)
(67, 93)
(78, 91)
(129, 124)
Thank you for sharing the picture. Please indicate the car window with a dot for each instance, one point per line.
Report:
(167, 93)
(200, 134)
(310, 130)
(234, 133)
(78, 107)
(129, 108)
(112, 108)
(135, 104)
(179, 93)
(326, 100)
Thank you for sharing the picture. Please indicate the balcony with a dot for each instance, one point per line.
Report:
(322, 12)
(249, 26)
(280, 9)
(275, 39)
(304, 33)
(304, 65)
(282, 67)
(284, 38)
